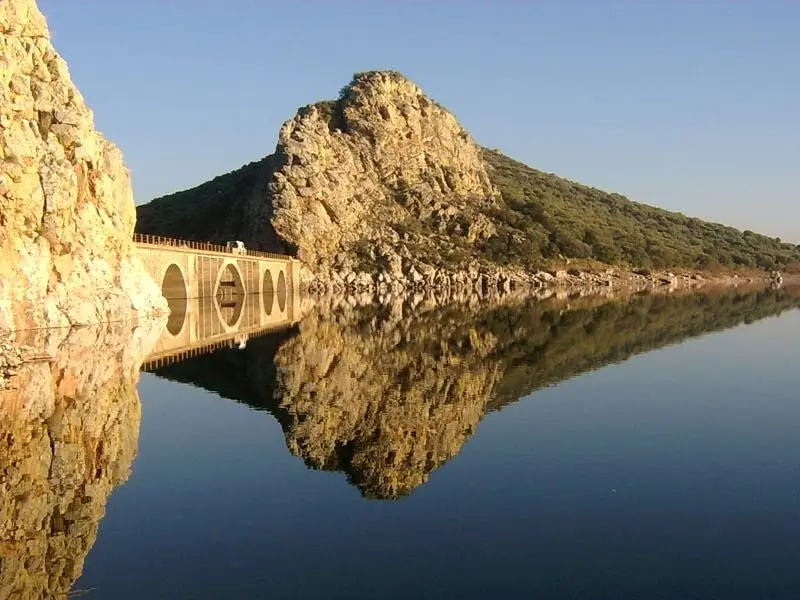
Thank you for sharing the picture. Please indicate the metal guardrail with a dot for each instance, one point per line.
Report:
(160, 240)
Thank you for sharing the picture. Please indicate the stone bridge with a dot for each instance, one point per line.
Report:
(215, 293)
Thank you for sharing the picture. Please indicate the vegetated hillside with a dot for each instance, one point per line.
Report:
(203, 212)
(212, 211)
(384, 179)
(546, 215)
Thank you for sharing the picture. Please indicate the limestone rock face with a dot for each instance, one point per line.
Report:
(353, 176)
(69, 429)
(66, 206)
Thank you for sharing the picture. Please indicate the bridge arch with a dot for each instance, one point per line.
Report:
(174, 289)
(230, 294)
(281, 292)
(268, 291)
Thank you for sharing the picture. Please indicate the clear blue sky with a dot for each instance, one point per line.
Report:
(692, 106)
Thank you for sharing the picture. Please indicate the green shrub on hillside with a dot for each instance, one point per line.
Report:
(540, 217)
(212, 211)
(583, 222)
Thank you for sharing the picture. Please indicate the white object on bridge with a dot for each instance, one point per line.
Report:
(236, 247)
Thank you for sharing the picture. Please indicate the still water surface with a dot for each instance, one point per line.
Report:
(450, 455)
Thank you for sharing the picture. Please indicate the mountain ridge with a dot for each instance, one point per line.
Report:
(383, 186)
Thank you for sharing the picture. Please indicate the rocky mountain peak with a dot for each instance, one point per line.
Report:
(352, 171)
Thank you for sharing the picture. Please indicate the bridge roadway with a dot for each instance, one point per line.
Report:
(217, 296)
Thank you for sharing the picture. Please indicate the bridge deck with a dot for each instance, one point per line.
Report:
(151, 241)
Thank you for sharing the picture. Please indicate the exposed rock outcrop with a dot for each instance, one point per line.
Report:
(383, 190)
(69, 428)
(380, 188)
(382, 152)
(382, 182)
(66, 206)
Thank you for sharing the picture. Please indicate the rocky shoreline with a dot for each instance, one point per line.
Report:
(482, 281)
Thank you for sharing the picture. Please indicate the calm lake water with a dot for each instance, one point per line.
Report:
(645, 449)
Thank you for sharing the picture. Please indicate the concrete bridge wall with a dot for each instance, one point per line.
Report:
(258, 289)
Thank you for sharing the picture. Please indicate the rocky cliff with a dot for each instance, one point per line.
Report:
(383, 188)
(66, 206)
(381, 180)
(69, 428)
(382, 153)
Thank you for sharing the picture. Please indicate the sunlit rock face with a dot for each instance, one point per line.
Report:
(351, 168)
(66, 206)
(69, 428)
(381, 187)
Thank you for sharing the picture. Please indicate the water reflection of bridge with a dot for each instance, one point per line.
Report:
(200, 325)
(388, 393)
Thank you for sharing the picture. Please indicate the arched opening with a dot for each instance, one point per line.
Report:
(281, 292)
(268, 292)
(230, 294)
(173, 288)
(173, 285)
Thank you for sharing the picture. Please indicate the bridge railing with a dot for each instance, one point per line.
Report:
(160, 240)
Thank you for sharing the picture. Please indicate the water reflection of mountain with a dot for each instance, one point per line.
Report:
(69, 430)
(387, 394)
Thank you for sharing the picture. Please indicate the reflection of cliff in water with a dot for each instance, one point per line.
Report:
(387, 394)
(69, 430)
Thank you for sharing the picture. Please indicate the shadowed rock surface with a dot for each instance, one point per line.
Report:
(69, 429)
(389, 393)
(66, 205)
